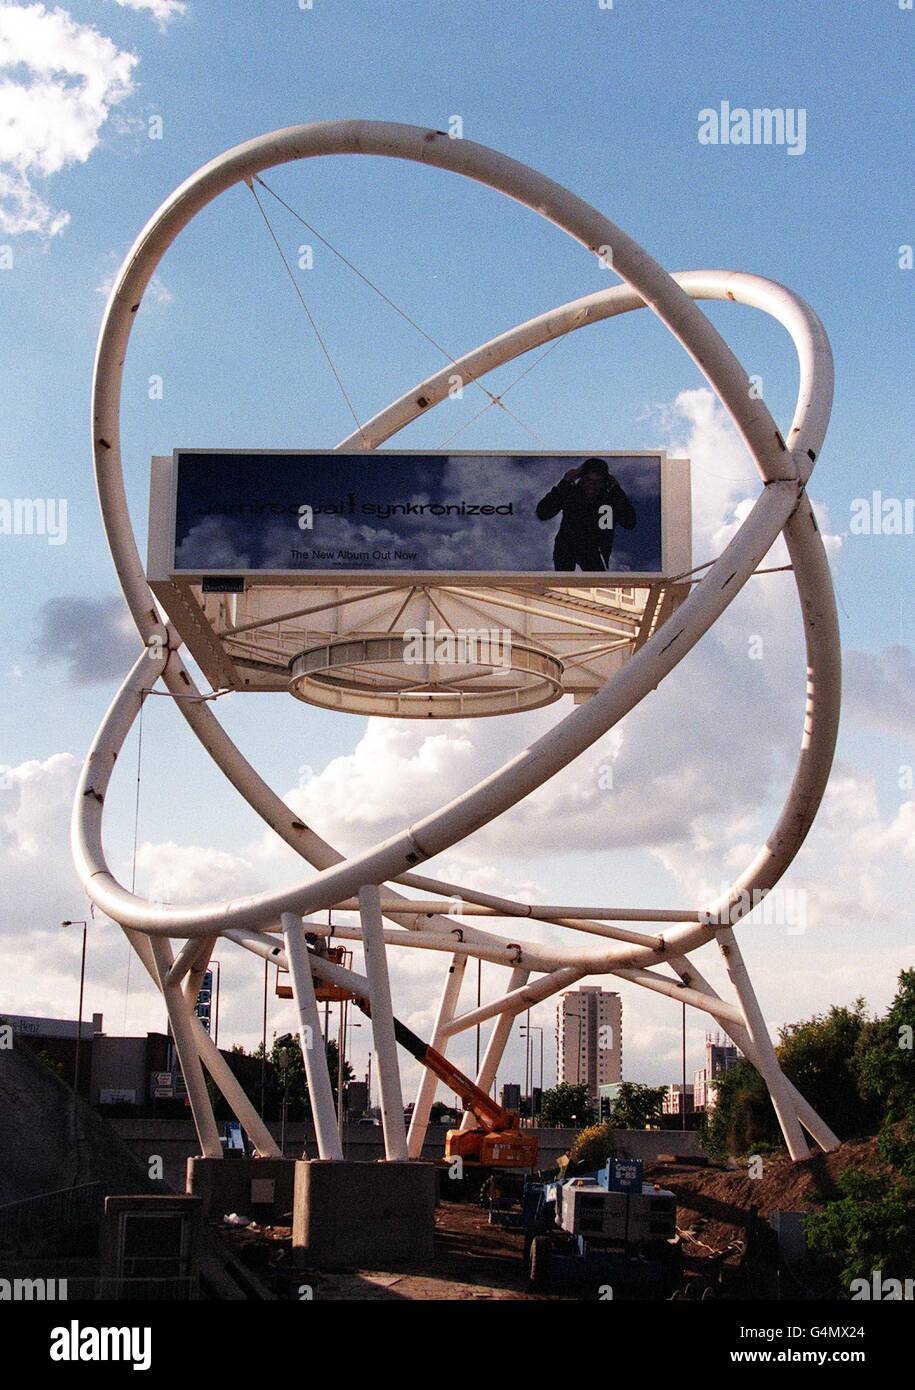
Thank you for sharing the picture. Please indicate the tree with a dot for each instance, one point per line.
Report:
(566, 1106)
(742, 1119)
(298, 1104)
(825, 1057)
(822, 1057)
(885, 1061)
(637, 1107)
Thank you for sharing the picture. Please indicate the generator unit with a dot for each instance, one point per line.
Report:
(587, 1229)
(584, 1208)
(587, 1208)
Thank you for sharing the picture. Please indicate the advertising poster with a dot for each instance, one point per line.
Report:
(429, 513)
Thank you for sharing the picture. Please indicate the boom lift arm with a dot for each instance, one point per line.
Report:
(497, 1141)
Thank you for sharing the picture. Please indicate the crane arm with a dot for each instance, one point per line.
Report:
(491, 1115)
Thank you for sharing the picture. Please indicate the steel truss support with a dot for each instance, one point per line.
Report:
(428, 1082)
(221, 1073)
(376, 970)
(816, 1128)
(180, 1018)
(766, 1060)
(314, 1053)
(782, 508)
(498, 1039)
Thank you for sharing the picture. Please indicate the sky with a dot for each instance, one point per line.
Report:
(107, 105)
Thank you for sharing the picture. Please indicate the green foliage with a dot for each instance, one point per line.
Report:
(870, 1227)
(885, 1060)
(297, 1102)
(830, 1058)
(298, 1106)
(593, 1146)
(821, 1057)
(742, 1120)
(637, 1107)
(896, 1146)
(566, 1106)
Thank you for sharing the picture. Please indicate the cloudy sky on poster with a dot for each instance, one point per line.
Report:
(457, 512)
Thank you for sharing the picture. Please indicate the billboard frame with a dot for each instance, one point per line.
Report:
(676, 530)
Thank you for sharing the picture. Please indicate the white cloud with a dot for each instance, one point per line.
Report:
(162, 11)
(723, 474)
(39, 961)
(58, 81)
(95, 637)
(174, 873)
(157, 292)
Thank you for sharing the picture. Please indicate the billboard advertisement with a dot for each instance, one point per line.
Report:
(385, 514)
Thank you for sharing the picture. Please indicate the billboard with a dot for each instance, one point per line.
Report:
(383, 515)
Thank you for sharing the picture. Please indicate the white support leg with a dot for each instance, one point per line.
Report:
(816, 1127)
(765, 1060)
(376, 969)
(516, 1001)
(180, 1017)
(193, 982)
(498, 1040)
(428, 1082)
(219, 1069)
(311, 1038)
(223, 1076)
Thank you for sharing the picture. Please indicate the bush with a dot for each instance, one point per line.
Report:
(885, 1060)
(870, 1227)
(821, 1057)
(592, 1147)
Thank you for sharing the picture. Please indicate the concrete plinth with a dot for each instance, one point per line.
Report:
(149, 1247)
(259, 1188)
(362, 1214)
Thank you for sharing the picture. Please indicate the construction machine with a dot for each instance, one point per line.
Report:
(609, 1228)
(497, 1140)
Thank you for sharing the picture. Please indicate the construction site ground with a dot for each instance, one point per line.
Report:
(472, 1260)
(478, 1261)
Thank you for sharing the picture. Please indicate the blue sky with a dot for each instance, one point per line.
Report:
(607, 103)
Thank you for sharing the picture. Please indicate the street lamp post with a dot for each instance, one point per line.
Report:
(342, 1047)
(529, 1028)
(215, 965)
(683, 1077)
(526, 1030)
(82, 979)
(282, 1058)
(264, 1039)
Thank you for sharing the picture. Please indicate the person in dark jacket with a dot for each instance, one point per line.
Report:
(592, 504)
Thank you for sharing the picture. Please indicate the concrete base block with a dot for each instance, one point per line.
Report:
(362, 1214)
(259, 1188)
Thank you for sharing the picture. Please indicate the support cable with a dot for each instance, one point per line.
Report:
(309, 315)
(493, 398)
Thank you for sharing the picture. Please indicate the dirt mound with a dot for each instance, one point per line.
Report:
(716, 1203)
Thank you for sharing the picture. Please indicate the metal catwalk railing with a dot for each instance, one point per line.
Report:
(50, 1213)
